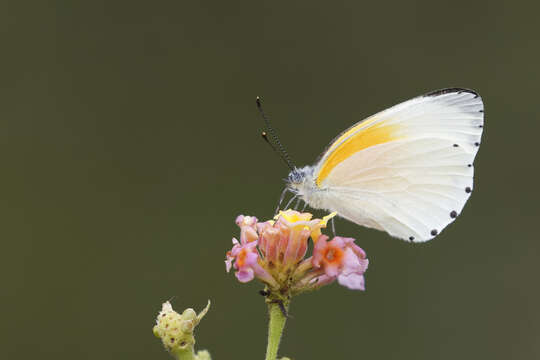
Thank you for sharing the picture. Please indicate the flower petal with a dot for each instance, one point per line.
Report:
(245, 274)
(352, 281)
(228, 263)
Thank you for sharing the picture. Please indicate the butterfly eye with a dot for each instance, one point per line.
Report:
(299, 175)
(293, 177)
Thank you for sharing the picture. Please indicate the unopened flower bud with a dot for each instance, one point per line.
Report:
(176, 331)
(187, 326)
(203, 355)
(189, 314)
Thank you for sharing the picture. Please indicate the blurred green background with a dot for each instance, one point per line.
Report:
(130, 142)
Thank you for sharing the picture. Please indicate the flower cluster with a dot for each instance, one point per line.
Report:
(275, 252)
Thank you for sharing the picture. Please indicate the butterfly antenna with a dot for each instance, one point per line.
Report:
(280, 150)
(264, 135)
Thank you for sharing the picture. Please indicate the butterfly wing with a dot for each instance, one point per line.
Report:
(407, 170)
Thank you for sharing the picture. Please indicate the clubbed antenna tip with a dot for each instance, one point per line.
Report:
(275, 143)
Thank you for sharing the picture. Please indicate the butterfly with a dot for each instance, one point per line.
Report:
(407, 170)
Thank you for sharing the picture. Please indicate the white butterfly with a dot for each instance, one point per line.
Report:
(407, 170)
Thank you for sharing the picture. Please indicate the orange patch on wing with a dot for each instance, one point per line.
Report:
(373, 135)
(351, 131)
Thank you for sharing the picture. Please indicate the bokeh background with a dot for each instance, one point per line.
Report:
(130, 142)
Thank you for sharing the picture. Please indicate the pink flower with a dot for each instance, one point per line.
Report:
(246, 261)
(248, 228)
(275, 252)
(341, 259)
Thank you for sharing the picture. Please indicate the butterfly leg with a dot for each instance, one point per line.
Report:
(290, 201)
(297, 204)
(283, 193)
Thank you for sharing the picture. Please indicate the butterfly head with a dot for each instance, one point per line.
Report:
(298, 176)
(301, 182)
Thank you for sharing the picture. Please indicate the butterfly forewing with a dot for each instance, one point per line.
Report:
(407, 170)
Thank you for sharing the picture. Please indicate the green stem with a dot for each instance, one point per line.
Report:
(275, 329)
(184, 354)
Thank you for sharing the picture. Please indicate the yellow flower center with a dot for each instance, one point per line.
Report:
(294, 216)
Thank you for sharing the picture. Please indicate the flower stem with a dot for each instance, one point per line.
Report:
(275, 328)
(184, 354)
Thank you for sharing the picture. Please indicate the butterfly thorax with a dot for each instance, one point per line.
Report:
(301, 181)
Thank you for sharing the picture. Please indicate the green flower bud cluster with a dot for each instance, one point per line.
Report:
(176, 332)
